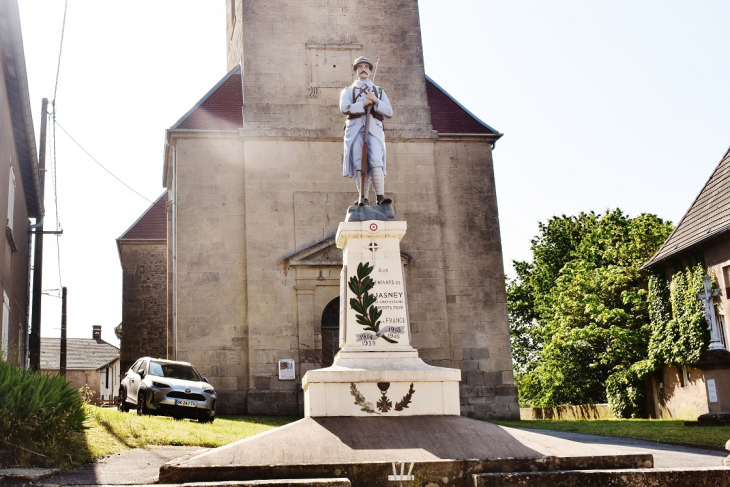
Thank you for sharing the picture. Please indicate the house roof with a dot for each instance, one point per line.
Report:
(448, 116)
(151, 225)
(12, 58)
(707, 218)
(220, 109)
(81, 353)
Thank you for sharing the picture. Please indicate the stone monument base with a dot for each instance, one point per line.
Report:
(446, 451)
(381, 384)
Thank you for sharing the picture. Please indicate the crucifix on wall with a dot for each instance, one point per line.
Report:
(708, 299)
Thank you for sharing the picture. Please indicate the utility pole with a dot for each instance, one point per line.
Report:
(63, 334)
(35, 326)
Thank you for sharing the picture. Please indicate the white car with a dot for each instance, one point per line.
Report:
(169, 388)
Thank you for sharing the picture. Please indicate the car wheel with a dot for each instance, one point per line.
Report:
(142, 404)
(207, 419)
(122, 403)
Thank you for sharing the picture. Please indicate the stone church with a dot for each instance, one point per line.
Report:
(254, 179)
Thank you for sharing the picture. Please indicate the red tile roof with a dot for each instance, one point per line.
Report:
(448, 116)
(152, 225)
(219, 109)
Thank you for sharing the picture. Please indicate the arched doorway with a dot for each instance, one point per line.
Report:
(330, 332)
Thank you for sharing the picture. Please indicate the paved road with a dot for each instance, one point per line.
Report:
(579, 444)
(141, 466)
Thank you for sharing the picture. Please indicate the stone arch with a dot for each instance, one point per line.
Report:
(330, 332)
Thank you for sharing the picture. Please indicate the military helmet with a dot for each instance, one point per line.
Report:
(362, 59)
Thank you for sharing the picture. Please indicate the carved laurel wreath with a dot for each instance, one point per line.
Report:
(367, 314)
(384, 404)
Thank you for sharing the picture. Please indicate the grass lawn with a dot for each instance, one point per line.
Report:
(669, 431)
(111, 431)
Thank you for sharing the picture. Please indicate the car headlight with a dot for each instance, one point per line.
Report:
(209, 390)
(161, 385)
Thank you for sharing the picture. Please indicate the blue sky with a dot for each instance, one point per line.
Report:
(603, 105)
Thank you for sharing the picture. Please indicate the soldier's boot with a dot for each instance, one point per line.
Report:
(382, 200)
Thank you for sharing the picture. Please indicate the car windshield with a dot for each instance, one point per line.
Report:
(174, 371)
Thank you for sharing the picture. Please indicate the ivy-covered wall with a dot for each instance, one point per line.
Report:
(678, 337)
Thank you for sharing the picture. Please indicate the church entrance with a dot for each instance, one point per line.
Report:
(330, 332)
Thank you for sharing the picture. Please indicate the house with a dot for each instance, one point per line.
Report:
(256, 193)
(20, 187)
(143, 255)
(90, 362)
(702, 235)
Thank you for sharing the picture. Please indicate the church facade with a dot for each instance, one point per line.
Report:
(253, 173)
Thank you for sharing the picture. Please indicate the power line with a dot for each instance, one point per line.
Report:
(55, 160)
(60, 48)
(107, 170)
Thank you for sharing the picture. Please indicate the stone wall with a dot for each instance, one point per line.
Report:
(144, 301)
(583, 411)
(476, 301)
(209, 296)
(677, 398)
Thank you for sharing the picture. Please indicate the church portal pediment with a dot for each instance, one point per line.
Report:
(323, 253)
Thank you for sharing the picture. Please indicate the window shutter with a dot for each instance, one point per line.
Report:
(11, 199)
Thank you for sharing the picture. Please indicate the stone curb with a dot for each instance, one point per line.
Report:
(642, 477)
(249, 483)
(27, 473)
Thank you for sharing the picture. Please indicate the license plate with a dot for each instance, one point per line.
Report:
(182, 402)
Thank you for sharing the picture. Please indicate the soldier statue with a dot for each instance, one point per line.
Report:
(361, 97)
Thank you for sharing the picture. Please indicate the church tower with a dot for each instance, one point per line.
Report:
(254, 174)
(297, 56)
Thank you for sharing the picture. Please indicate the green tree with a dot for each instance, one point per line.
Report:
(578, 311)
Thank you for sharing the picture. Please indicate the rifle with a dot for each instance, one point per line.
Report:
(364, 160)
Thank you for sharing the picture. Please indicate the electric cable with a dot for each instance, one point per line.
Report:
(107, 170)
(55, 160)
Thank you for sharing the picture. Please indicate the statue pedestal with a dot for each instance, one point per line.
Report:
(377, 372)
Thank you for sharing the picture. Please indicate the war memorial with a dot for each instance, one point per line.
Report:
(381, 321)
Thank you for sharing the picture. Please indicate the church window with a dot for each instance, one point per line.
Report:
(330, 332)
(683, 376)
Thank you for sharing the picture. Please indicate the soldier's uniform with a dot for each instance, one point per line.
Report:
(351, 104)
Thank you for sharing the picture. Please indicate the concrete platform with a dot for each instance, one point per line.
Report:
(447, 450)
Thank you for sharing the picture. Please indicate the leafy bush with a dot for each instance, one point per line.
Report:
(37, 411)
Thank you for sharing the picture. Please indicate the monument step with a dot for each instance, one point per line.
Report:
(444, 450)
(267, 483)
(640, 477)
